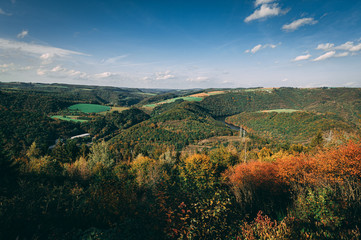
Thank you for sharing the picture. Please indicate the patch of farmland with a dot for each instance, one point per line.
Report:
(188, 98)
(115, 109)
(283, 110)
(68, 118)
(215, 92)
(89, 108)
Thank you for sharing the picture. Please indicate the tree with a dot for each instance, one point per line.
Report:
(100, 155)
(34, 151)
(318, 140)
(198, 173)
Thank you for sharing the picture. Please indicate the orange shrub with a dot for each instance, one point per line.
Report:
(268, 186)
(330, 166)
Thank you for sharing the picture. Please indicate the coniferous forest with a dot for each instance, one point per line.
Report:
(165, 164)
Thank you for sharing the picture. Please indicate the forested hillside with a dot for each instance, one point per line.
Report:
(174, 128)
(144, 172)
(297, 126)
(345, 102)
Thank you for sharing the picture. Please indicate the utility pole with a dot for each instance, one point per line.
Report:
(242, 134)
(245, 150)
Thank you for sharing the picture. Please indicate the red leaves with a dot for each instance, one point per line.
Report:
(335, 165)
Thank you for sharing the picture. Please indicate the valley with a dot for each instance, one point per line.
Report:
(174, 162)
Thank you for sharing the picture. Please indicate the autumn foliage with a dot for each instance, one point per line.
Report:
(332, 166)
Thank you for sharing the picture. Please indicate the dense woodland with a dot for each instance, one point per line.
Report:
(294, 175)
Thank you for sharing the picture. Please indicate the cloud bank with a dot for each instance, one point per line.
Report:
(36, 49)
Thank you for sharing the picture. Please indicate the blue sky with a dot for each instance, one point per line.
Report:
(182, 44)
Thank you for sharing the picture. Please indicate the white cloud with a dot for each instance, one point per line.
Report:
(74, 73)
(114, 59)
(344, 54)
(40, 72)
(2, 12)
(7, 65)
(266, 10)
(198, 79)
(260, 2)
(299, 23)
(325, 46)
(164, 75)
(256, 48)
(23, 34)
(104, 75)
(57, 69)
(60, 72)
(325, 56)
(46, 56)
(30, 48)
(347, 46)
(356, 48)
(260, 47)
(302, 57)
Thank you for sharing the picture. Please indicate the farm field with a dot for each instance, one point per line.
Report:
(191, 98)
(206, 94)
(188, 98)
(280, 110)
(89, 108)
(114, 109)
(68, 118)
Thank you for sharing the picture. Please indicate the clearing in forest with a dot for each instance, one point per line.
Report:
(89, 108)
(188, 98)
(191, 98)
(68, 118)
(283, 110)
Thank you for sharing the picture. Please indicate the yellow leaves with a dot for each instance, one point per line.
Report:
(78, 168)
(198, 170)
(264, 153)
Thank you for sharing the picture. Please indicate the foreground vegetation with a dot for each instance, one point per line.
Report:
(313, 195)
(175, 172)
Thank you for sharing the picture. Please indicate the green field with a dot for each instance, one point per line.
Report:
(68, 118)
(189, 99)
(89, 108)
(281, 110)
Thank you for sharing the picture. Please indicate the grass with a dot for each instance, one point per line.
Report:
(150, 105)
(115, 109)
(188, 98)
(89, 108)
(215, 92)
(269, 90)
(281, 110)
(68, 118)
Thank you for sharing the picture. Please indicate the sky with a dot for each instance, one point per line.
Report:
(182, 43)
